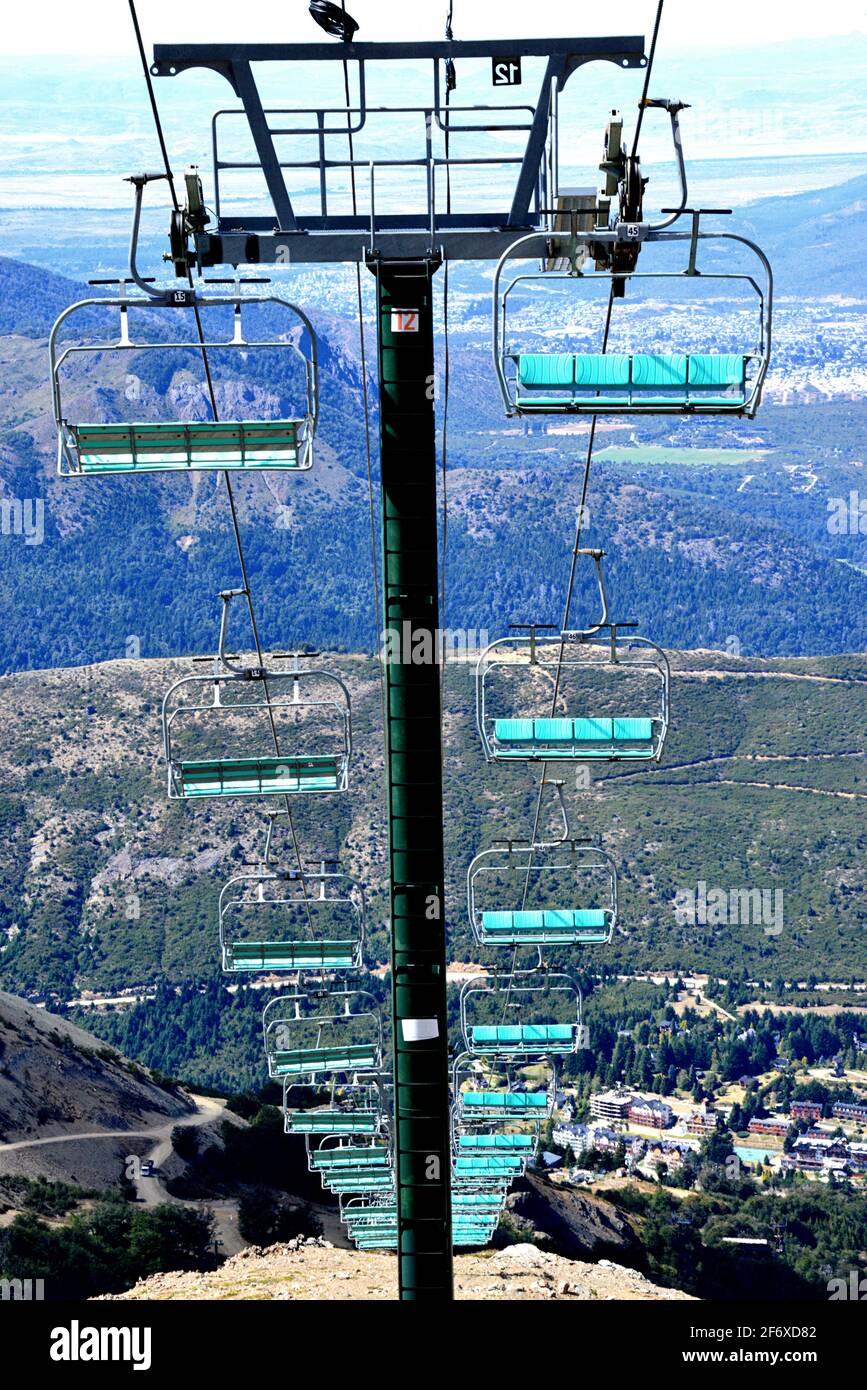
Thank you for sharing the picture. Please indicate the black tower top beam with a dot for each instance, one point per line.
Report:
(169, 59)
(324, 236)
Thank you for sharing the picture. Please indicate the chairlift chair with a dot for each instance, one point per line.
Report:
(313, 1035)
(351, 1110)
(479, 1100)
(97, 449)
(481, 1169)
(336, 1152)
(598, 694)
(468, 1240)
(684, 382)
(342, 1180)
(481, 1200)
(552, 893)
(543, 1010)
(494, 1144)
(291, 919)
(297, 721)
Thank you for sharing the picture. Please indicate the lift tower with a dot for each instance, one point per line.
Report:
(404, 248)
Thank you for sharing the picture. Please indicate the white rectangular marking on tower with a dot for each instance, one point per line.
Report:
(419, 1029)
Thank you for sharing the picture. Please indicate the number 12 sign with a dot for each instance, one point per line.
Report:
(506, 72)
(404, 320)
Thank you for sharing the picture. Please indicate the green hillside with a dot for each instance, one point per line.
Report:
(105, 885)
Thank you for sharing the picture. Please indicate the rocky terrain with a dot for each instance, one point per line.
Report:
(313, 1270)
(571, 1222)
(72, 1108)
(57, 1080)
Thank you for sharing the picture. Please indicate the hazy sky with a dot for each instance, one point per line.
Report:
(103, 26)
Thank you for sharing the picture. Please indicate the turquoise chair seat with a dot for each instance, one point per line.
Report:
(641, 381)
(507, 1142)
(515, 1104)
(473, 1201)
(331, 1122)
(522, 1038)
(165, 448)
(553, 926)
(552, 739)
(505, 1165)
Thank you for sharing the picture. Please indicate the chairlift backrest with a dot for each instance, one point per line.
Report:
(613, 698)
(555, 893)
(218, 733)
(291, 920)
(124, 446)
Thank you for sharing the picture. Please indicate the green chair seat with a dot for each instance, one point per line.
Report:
(288, 955)
(357, 1182)
(167, 447)
(351, 1156)
(256, 776)
(302, 1061)
(331, 1122)
(356, 1215)
(350, 1182)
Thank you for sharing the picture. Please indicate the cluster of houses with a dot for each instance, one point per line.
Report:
(612, 1115)
(825, 1155)
(817, 1153)
(810, 1110)
(616, 1115)
(649, 1112)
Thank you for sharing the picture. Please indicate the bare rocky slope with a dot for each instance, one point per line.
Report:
(313, 1270)
(55, 1080)
(570, 1221)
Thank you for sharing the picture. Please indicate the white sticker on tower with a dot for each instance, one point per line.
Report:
(404, 320)
(419, 1029)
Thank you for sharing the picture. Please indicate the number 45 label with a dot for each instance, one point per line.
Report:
(506, 72)
(404, 320)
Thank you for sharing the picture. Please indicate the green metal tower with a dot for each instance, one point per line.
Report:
(414, 767)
